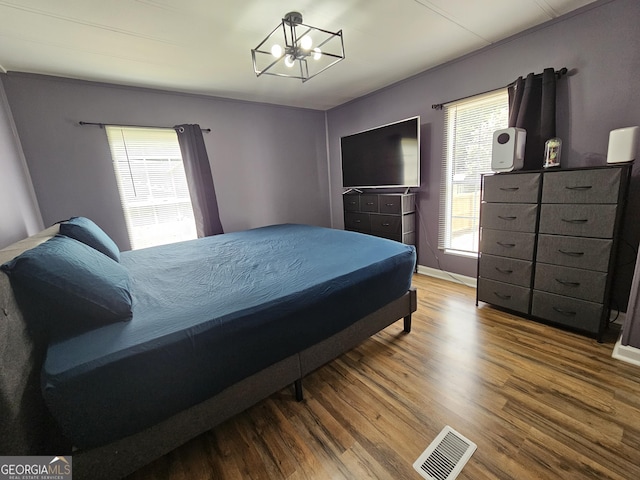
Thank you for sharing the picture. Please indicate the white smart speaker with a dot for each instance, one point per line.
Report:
(622, 145)
(507, 153)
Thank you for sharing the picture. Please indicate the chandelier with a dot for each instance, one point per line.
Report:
(296, 50)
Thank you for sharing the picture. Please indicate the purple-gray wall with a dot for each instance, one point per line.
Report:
(599, 44)
(269, 163)
(19, 214)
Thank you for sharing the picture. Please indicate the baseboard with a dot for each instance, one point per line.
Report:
(626, 353)
(451, 277)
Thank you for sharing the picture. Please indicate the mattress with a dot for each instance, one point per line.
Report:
(210, 312)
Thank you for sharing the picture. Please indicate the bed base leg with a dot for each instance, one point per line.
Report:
(298, 386)
(407, 323)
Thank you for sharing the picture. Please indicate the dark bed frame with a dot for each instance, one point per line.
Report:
(26, 427)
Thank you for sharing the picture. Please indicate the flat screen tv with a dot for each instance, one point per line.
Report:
(383, 157)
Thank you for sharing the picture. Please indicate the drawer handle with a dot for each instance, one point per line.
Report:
(568, 284)
(579, 187)
(506, 245)
(369, 203)
(389, 204)
(357, 221)
(509, 189)
(575, 220)
(567, 313)
(571, 254)
(352, 203)
(386, 224)
(506, 218)
(502, 270)
(502, 296)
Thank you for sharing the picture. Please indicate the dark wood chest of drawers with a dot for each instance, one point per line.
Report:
(548, 242)
(388, 215)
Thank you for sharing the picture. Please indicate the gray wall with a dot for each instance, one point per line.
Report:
(19, 214)
(269, 163)
(600, 45)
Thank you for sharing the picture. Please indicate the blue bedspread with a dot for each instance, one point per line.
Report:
(209, 312)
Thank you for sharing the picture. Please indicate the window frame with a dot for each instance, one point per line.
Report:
(149, 171)
(492, 110)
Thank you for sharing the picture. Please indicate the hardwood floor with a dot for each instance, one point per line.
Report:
(539, 402)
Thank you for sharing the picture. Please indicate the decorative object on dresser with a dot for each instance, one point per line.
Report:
(507, 151)
(388, 215)
(548, 243)
(622, 145)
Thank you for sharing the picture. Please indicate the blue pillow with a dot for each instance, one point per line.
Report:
(87, 232)
(73, 279)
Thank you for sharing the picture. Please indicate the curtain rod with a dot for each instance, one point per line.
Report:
(102, 125)
(438, 106)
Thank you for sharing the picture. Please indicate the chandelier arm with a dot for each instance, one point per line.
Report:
(264, 70)
(333, 55)
(320, 71)
(339, 34)
(267, 38)
(308, 30)
(292, 28)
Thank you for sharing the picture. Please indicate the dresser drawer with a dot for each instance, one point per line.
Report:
(518, 217)
(507, 270)
(581, 220)
(567, 311)
(351, 203)
(582, 186)
(397, 204)
(408, 238)
(392, 223)
(511, 188)
(368, 203)
(360, 222)
(507, 244)
(587, 253)
(571, 282)
(504, 294)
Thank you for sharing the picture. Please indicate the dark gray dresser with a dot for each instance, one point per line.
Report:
(388, 215)
(548, 242)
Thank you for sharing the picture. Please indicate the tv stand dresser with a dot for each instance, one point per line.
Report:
(387, 215)
(548, 243)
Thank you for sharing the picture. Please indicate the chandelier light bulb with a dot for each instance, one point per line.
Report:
(317, 53)
(276, 50)
(289, 61)
(306, 42)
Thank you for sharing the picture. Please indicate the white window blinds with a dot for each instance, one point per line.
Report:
(468, 134)
(152, 184)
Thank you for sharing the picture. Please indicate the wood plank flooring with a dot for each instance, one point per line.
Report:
(540, 403)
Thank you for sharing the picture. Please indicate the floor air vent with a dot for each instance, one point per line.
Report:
(445, 457)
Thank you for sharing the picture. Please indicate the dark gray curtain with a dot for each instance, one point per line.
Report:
(532, 106)
(199, 179)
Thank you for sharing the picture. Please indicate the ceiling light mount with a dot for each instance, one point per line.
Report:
(296, 50)
(293, 18)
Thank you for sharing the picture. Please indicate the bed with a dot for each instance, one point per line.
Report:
(192, 334)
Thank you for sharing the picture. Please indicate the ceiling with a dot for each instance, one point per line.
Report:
(204, 46)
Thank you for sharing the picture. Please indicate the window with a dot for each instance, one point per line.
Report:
(152, 184)
(468, 135)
